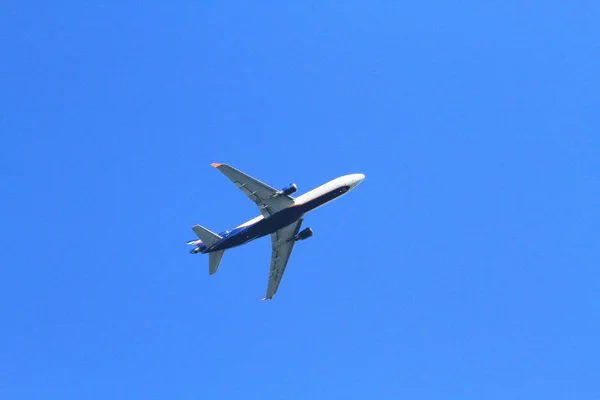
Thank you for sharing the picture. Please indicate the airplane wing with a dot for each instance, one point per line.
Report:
(283, 243)
(268, 199)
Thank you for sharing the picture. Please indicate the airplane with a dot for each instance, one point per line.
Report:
(281, 217)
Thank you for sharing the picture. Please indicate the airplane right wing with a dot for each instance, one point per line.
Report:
(269, 200)
(283, 243)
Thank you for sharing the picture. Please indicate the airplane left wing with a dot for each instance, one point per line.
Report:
(269, 200)
(283, 244)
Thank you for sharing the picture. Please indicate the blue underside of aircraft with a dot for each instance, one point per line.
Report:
(272, 224)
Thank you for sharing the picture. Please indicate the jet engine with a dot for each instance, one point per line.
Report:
(292, 188)
(305, 234)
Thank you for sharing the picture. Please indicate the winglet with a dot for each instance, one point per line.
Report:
(216, 165)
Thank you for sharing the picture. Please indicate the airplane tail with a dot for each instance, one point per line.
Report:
(214, 259)
(209, 238)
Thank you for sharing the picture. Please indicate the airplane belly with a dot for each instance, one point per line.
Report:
(232, 241)
(274, 223)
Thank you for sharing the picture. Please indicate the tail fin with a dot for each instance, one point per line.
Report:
(208, 238)
(214, 259)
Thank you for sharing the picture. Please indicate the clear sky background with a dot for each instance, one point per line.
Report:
(465, 266)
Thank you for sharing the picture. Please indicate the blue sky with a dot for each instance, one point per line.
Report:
(465, 266)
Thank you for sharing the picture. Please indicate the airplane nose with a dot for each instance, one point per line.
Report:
(357, 179)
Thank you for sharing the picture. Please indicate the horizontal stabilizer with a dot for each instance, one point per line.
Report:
(208, 238)
(214, 259)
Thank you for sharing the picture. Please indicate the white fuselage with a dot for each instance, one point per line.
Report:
(350, 181)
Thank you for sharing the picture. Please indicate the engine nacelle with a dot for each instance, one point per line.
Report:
(292, 188)
(305, 234)
(195, 250)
